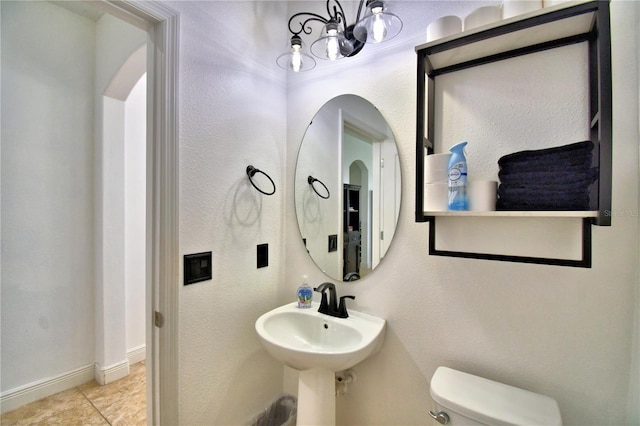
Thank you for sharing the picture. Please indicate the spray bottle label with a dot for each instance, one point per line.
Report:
(457, 186)
(458, 174)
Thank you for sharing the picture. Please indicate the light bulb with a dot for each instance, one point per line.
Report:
(379, 29)
(333, 47)
(296, 57)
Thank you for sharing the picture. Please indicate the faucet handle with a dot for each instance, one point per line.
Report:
(342, 308)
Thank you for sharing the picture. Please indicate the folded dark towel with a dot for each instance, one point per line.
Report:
(551, 192)
(567, 158)
(544, 200)
(563, 205)
(569, 165)
(544, 177)
(555, 178)
(554, 154)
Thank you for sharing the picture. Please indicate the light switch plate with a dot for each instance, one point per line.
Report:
(262, 255)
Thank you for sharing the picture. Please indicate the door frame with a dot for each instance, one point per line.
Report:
(162, 26)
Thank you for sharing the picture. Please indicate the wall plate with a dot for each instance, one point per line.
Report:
(262, 255)
(333, 243)
(197, 267)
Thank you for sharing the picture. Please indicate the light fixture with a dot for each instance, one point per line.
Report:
(377, 24)
(338, 39)
(295, 60)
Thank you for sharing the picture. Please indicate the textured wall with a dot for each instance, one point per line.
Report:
(232, 114)
(563, 332)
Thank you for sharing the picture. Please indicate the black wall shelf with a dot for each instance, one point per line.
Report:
(550, 28)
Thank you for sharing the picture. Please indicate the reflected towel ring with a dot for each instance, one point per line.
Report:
(251, 171)
(312, 180)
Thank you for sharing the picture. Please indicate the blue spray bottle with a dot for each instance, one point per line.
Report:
(458, 178)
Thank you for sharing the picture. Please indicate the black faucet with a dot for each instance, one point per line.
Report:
(330, 306)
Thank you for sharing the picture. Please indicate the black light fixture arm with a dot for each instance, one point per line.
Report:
(304, 25)
(336, 14)
(338, 37)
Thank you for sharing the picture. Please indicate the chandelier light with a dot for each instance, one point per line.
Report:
(295, 59)
(338, 39)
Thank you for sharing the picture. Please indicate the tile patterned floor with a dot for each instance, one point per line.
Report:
(119, 403)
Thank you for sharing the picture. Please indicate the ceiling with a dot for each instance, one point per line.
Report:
(89, 9)
(415, 14)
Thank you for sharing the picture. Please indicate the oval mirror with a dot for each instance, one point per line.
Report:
(347, 188)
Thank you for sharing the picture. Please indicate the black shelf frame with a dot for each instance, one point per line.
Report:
(584, 262)
(598, 37)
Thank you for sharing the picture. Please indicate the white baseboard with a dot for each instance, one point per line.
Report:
(137, 355)
(15, 398)
(22, 395)
(106, 375)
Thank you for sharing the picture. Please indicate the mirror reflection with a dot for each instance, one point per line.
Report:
(347, 188)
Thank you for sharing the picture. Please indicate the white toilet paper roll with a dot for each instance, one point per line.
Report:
(482, 16)
(436, 197)
(518, 7)
(482, 195)
(436, 168)
(549, 3)
(444, 27)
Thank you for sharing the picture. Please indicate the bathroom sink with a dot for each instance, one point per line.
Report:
(305, 339)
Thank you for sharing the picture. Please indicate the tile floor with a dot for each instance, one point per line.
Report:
(119, 403)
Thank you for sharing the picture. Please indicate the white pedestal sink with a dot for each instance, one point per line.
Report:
(318, 345)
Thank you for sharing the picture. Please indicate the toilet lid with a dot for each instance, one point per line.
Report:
(490, 402)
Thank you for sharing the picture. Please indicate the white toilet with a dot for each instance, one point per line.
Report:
(465, 399)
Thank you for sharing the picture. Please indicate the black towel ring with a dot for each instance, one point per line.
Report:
(312, 180)
(251, 171)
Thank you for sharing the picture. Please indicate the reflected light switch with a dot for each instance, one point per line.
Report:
(333, 243)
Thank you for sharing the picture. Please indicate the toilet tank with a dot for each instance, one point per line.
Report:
(469, 399)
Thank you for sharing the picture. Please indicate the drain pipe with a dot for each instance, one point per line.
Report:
(343, 378)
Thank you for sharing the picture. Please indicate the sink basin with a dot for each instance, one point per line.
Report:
(305, 339)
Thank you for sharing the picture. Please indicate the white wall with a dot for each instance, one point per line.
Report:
(564, 332)
(50, 66)
(135, 170)
(47, 192)
(116, 43)
(232, 114)
(634, 382)
(110, 353)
